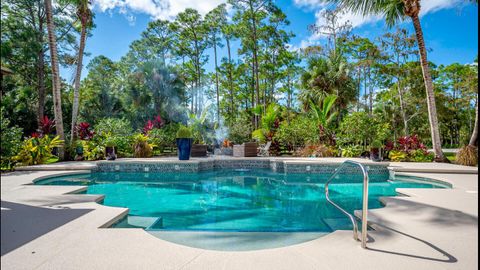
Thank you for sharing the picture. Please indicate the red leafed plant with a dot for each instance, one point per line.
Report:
(36, 135)
(411, 149)
(46, 126)
(156, 123)
(148, 126)
(389, 146)
(84, 132)
(410, 143)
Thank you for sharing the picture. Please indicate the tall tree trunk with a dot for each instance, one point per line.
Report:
(365, 87)
(255, 60)
(192, 101)
(474, 138)
(41, 79)
(402, 108)
(198, 70)
(78, 74)
(432, 108)
(40, 17)
(264, 100)
(289, 98)
(370, 92)
(254, 117)
(455, 116)
(57, 95)
(216, 77)
(230, 76)
(359, 88)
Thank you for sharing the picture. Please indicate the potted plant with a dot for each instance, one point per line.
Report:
(199, 126)
(375, 148)
(184, 142)
(110, 149)
(79, 151)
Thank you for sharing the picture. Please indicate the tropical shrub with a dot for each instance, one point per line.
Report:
(389, 145)
(421, 155)
(410, 143)
(398, 156)
(46, 126)
(239, 131)
(300, 131)
(319, 150)
(83, 131)
(359, 128)
(37, 150)
(113, 126)
(11, 138)
(355, 129)
(122, 145)
(117, 132)
(163, 137)
(323, 118)
(92, 150)
(157, 123)
(141, 146)
(198, 127)
(381, 134)
(351, 151)
(269, 123)
(410, 148)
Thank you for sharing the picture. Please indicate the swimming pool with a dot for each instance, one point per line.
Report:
(251, 200)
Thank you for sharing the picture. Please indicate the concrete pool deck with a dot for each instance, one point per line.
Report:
(44, 227)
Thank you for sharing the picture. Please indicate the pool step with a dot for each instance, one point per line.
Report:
(157, 225)
(338, 223)
(140, 221)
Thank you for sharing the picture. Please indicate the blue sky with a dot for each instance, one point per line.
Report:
(450, 26)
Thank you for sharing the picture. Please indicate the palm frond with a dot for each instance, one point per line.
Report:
(315, 109)
(328, 103)
(392, 10)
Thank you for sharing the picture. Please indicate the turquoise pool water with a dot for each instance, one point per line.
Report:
(234, 200)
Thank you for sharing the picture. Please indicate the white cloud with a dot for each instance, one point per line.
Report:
(158, 9)
(312, 4)
(428, 6)
(357, 20)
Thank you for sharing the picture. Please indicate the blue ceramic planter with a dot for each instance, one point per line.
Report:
(184, 146)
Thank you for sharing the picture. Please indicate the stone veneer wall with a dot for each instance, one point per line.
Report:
(376, 171)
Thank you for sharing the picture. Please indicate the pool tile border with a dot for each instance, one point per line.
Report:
(280, 166)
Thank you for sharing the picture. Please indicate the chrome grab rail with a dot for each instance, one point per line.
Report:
(365, 202)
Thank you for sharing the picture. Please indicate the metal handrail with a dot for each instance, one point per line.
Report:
(365, 202)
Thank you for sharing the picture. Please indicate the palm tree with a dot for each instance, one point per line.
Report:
(268, 122)
(394, 11)
(323, 117)
(84, 15)
(468, 155)
(325, 76)
(474, 137)
(57, 97)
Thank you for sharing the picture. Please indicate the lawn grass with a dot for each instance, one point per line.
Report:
(451, 156)
(52, 160)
